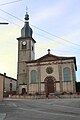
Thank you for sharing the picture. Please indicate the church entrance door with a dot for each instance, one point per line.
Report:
(49, 85)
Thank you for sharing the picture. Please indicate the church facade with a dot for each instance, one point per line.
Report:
(48, 74)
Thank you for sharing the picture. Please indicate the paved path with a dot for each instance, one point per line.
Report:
(46, 109)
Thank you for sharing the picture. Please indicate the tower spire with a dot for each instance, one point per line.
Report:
(26, 31)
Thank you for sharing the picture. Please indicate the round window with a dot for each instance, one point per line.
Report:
(49, 70)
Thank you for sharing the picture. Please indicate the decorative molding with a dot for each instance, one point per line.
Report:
(43, 64)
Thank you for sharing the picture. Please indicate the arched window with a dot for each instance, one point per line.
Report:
(33, 76)
(66, 73)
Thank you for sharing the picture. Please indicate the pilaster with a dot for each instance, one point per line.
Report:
(60, 77)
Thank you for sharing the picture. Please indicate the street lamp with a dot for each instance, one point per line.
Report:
(3, 23)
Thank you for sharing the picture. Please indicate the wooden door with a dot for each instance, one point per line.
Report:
(49, 86)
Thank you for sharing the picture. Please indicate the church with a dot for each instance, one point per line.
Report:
(48, 74)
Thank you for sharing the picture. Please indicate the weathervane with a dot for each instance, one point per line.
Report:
(26, 9)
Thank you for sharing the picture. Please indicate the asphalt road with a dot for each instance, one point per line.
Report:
(41, 109)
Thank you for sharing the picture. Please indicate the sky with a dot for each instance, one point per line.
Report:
(55, 24)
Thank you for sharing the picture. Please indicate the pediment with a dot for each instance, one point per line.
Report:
(48, 57)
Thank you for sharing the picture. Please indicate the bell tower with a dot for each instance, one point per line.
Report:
(26, 52)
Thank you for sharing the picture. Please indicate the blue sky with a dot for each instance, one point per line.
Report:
(59, 18)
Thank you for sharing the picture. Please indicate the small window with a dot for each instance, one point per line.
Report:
(32, 48)
(66, 73)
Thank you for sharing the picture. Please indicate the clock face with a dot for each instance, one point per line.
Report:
(24, 43)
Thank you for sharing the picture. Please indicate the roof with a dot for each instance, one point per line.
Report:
(8, 77)
(51, 57)
(20, 38)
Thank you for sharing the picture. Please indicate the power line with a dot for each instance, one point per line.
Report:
(10, 2)
(55, 41)
(10, 21)
(11, 15)
(65, 51)
(37, 33)
(41, 29)
(55, 35)
(60, 51)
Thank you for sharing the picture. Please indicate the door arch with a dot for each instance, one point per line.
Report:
(50, 85)
(23, 91)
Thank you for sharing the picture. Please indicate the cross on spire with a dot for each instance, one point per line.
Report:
(48, 51)
(26, 9)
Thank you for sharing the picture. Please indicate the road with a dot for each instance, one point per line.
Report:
(41, 109)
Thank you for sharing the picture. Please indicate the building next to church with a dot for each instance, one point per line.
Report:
(7, 85)
(1, 88)
(48, 74)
